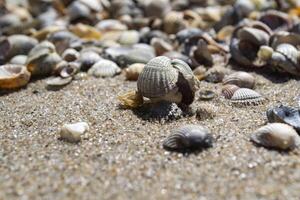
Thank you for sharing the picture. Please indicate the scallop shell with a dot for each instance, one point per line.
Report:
(285, 114)
(104, 68)
(188, 137)
(133, 71)
(241, 79)
(229, 90)
(246, 96)
(276, 135)
(13, 76)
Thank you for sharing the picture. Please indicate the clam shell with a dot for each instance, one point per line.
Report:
(276, 20)
(129, 37)
(246, 96)
(229, 90)
(110, 25)
(18, 60)
(104, 68)
(286, 115)
(188, 137)
(133, 71)
(276, 135)
(69, 70)
(13, 76)
(241, 79)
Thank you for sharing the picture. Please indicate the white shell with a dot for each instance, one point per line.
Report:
(241, 79)
(276, 135)
(104, 68)
(246, 96)
(73, 132)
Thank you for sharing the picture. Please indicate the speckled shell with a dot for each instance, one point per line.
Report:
(158, 78)
(188, 137)
(104, 68)
(13, 76)
(285, 114)
(241, 79)
(229, 90)
(276, 135)
(245, 96)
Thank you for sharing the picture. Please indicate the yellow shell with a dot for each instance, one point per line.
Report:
(85, 32)
(13, 76)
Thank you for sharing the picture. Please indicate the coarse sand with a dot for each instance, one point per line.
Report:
(122, 156)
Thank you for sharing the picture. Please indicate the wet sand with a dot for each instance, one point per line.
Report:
(122, 155)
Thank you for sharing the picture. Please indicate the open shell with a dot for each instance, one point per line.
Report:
(13, 76)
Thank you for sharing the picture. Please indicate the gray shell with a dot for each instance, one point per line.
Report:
(241, 79)
(276, 135)
(188, 137)
(104, 68)
(245, 96)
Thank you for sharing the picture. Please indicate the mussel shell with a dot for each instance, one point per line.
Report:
(276, 135)
(240, 79)
(246, 96)
(188, 137)
(13, 76)
(285, 114)
(104, 68)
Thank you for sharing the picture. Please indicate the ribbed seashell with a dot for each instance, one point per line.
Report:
(70, 55)
(87, 59)
(161, 46)
(189, 137)
(276, 135)
(13, 76)
(57, 82)
(285, 114)
(241, 79)
(129, 37)
(157, 8)
(16, 45)
(104, 68)
(133, 71)
(246, 96)
(110, 25)
(18, 60)
(69, 70)
(173, 22)
(169, 80)
(229, 90)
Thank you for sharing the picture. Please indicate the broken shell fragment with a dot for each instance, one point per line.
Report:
(188, 137)
(73, 132)
(13, 76)
(276, 135)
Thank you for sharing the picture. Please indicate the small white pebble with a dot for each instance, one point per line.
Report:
(73, 132)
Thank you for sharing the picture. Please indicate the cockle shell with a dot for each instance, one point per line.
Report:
(229, 90)
(73, 132)
(13, 76)
(188, 137)
(285, 114)
(104, 68)
(241, 79)
(133, 71)
(169, 80)
(246, 96)
(276, 135)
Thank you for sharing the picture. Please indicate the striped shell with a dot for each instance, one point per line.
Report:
(188, 137)
(13, 76)
(104, 68)
(276, 135)
(229, 90)
(245, 96)
(241, 79)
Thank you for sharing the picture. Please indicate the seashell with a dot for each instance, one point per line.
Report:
(133, 71)
(225, 33)
(131, 99)
(135, 55)
(73, 132)
(78, 10)
(129, 37)
(69, 70)
(241, 79)
(104, 68)
(283, 37)
(160, 46)
(70, 55)
(173, 22)
(276, 135)
(200, 72)
(87, 59)
(109, 25)
(42, 59)
(187, 33)
(62, 40)
(176, 55)
(206, 95)
(206, 111)
(9, 20)
(246, 96)
(86, 32)
(193, 19)
(157, 8)
(286, 115)
(18, 60)
(276, 20)
(146, 35)
(94, 5)
(56, 82)
(229, 90)
(16, 45)
(43, 33)
(169, 80)
(216, 74)
(188, 137)
(13, 76)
